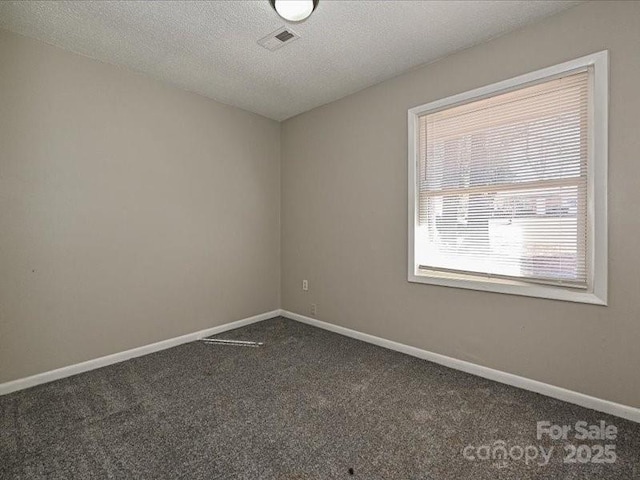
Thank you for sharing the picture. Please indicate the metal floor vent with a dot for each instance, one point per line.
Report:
(278, 39)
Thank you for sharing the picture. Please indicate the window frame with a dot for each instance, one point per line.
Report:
(597, 160)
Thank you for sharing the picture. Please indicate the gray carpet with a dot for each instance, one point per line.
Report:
(308, 405)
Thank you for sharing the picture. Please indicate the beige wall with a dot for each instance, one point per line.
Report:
(130, 211)
(344, 214)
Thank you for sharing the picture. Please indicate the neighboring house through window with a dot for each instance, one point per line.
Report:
(508, 185)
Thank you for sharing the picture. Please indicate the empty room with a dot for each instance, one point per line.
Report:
(320, 239)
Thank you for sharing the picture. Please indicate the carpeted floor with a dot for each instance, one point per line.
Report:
(310, 404)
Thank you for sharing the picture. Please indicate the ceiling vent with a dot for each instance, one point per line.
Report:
(278, 39)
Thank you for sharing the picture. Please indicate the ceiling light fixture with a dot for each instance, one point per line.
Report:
(294, 10)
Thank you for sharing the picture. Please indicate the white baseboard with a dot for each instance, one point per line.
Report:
(605, 406)
(70, 370)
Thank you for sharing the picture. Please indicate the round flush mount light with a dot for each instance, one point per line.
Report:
(294, 10)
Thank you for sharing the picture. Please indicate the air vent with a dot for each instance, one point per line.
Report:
(284, 36)
(278, 39)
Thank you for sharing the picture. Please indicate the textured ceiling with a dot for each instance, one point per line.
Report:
(210, 47)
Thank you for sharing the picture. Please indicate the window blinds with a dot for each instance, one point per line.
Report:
(502, 185)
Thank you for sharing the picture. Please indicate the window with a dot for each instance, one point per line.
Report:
(507, 186)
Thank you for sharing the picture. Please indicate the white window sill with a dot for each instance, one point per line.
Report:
(509, 287)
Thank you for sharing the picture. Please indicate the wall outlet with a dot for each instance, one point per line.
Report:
(305, 285)
(314, 309)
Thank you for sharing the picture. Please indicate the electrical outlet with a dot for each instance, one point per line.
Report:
(305, 285)
(314, 309)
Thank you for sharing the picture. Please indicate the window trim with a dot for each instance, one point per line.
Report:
(596, 187)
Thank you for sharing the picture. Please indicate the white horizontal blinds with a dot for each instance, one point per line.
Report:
(503, 184)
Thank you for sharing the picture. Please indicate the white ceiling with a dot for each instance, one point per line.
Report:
(210, 47)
